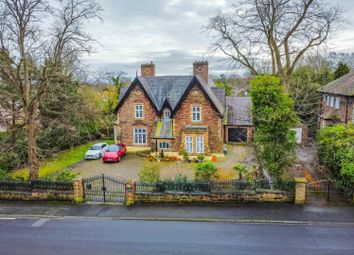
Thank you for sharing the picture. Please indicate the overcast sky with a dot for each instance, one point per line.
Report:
(169, 32)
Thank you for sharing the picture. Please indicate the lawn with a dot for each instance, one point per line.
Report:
(60, 161)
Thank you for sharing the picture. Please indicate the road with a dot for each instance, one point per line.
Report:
(102, 236)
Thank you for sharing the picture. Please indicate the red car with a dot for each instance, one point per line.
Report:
(114, 153)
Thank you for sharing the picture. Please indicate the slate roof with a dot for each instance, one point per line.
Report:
(239, 111)
(343, 86)
(172, 89)
(220, 94)
(122, 92)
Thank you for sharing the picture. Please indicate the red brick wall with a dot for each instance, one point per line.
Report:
(209, 117)
(126, 116)
(343, 108)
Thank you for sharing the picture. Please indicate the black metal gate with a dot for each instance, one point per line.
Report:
(104, 189)
(329, 192)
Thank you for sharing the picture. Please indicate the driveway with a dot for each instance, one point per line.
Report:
(129, 167)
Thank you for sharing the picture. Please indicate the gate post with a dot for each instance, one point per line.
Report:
(130, 188)
(300, 190)
(78, 190)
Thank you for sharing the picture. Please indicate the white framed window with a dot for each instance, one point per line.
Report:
(167, 114)
(331, 102)
(140, 135)
(327, 100)
(189, 144)
(164, 145)
(199, 144)
(196, 113)
(139, 111)
(337, 103)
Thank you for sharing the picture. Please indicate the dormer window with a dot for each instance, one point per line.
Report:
(167, 114)
(196, 113)
(139, 111)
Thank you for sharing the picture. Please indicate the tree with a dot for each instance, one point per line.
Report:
(276, 33)
(273, 116)
(342, 69)
(223, 82)
(303, 90)
(33, 54)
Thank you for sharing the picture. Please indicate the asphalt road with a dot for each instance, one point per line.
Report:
(99, 236)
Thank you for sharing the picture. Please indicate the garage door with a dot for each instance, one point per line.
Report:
(237, 135)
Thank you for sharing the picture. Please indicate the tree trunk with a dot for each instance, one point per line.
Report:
(32, 148)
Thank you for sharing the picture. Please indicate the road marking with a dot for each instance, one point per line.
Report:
(7, 218)
(39, 222)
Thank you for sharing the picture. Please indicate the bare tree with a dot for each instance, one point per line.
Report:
(278, 32)
(39, 43)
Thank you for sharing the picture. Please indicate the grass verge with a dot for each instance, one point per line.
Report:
(60, 161)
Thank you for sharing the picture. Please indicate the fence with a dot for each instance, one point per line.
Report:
(215, 191)
(36, 190)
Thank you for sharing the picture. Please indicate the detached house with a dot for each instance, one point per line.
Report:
(175, 113)
(337, 104)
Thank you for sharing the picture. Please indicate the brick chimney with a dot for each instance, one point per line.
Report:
(148, 69)
(201, 68)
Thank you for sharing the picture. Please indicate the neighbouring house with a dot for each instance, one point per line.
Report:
(177, 113)
(337, 104)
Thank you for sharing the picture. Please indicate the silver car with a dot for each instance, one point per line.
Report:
(96, 151)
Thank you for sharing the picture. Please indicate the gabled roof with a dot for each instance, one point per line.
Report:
(171, 90)
(239, 111)
(343, 86)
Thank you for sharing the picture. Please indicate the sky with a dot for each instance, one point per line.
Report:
(170, 33)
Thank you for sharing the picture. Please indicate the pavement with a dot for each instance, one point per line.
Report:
(240, 213)
(43, 236)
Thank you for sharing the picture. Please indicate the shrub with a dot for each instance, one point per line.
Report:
(150, 173)
(3, 175)
(185, 155)
(335, 146)
(200, 157)
(204, 171)
(181, 178)
(241, 169)
(65, 175)
(8, 161)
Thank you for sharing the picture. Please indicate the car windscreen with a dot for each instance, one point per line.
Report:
(95, 148)
(113, 148)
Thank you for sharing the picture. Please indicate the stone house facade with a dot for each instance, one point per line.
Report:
(177, 113)
(337, 104)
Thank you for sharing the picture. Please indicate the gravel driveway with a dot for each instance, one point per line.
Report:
(128, 167)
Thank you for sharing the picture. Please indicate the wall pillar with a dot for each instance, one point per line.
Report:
(130, 188)
(78, 190)
(300, 190)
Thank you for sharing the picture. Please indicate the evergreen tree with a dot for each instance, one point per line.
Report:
(273, 116)
(342, 69)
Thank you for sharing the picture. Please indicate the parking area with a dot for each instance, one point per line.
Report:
(130, 166)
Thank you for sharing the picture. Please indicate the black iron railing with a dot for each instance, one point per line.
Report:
(35, 185)
(232, 185)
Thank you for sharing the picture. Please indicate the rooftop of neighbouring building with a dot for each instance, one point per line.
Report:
(343, 86)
